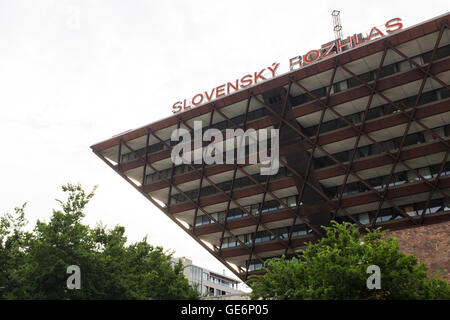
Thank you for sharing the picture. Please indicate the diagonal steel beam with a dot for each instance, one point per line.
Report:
(184, 195)
(386, 188)
(419, 94)
(172, 171)
(436, 183)
(411, 118)
(261, 205)
(234, 176)
(328, 154)
(163, 209)
(334, 159)
(255, 219)
(426, 71)
(144, 171)
(353, 173)
(311, 155)
(284, 205)
(201, 179)
(301, 178)
(359, 134)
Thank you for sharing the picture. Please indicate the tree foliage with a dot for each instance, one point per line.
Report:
(33, 265)
(336, 268)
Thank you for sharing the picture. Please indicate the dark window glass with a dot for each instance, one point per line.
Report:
(387, 70)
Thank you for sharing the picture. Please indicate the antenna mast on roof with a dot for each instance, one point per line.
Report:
(337, 27)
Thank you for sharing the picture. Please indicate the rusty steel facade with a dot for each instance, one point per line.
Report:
(364, 137)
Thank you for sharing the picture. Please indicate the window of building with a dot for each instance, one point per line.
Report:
(196, 274)
(340, 86)
(364, 218)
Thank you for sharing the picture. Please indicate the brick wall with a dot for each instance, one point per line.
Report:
(430, 244)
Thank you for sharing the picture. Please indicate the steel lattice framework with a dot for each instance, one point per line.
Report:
(338, 206)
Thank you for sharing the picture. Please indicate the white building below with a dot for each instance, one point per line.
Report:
(209, 283)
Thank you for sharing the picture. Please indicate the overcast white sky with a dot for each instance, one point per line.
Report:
(73, 73)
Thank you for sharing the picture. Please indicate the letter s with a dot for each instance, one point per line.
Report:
(390, 24)
(246, 81)
(177, 107)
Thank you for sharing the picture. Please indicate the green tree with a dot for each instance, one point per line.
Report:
(33, 264)
(13, 242)
(336, 268)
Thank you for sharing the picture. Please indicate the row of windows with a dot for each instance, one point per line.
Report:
(391, 213)
(127, 157)
(333, 192)
(415, 209)
(152, 177)
(386, 214)
(263, 236)
(226, 185)
(380, 182)
(370, 76)
(257, 264)
(252, 115)
(222, 125)
(196, 280)
(269, 206)
(355, 118)
(221, 281)
(391, 144)
(386, 109)
(296, 101)
(210, 291)
(182, 168)
(380, 111)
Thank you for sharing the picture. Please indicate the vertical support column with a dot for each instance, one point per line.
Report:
(119, 155)
(144, 173)
(202, 175)
(169, 196)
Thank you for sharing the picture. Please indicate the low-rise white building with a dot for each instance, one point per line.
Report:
(209, 283)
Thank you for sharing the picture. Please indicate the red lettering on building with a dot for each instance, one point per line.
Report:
(326, 50)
